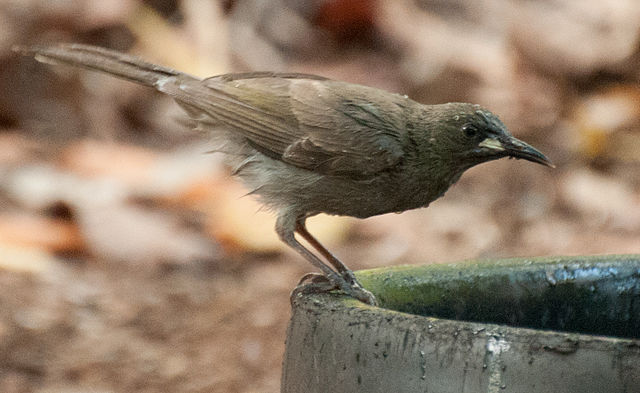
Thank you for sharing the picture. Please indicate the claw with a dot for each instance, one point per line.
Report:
(364, 296)
(346, 282)
(357, 291)
(313, 287)
(312, 278)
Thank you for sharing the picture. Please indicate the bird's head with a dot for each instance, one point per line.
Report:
(472, 135)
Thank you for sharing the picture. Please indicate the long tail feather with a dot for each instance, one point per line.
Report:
(105, 60)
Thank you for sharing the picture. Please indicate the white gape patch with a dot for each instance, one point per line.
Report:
(492, 143)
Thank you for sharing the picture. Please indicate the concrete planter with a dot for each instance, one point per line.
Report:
(520, 325)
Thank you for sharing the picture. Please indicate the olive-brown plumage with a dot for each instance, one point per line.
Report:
(308, 145)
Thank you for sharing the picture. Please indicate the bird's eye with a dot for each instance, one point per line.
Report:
(470, 131)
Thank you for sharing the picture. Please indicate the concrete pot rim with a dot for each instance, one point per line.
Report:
(558, 269)
(338, 344)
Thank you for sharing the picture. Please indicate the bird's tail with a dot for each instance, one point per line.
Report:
(105, 60)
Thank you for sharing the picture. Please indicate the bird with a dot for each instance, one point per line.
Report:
(305, 144)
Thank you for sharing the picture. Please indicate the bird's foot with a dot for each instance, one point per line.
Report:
(312, 278)
(355, 289)
(363, 295)
(346, 282)
(349, 277)
(315, 286)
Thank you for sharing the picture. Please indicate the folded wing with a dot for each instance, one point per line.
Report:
(317, 124)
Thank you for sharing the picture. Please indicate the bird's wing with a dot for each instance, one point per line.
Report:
(318, 124)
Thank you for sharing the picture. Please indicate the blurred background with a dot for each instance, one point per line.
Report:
(130, 260)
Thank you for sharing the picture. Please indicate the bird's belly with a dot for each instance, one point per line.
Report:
(390, 194)
(282, 186)
(362, 199)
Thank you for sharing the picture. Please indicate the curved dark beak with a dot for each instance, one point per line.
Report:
(518, 149)
(513, 147)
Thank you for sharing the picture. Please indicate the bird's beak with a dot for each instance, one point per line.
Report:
(513, 147)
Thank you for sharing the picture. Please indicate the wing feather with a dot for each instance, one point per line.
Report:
(321, 125)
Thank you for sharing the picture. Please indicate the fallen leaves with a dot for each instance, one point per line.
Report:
(601, 201)
(27, 230)
(134, 204)
(605, 124)
(29, 259)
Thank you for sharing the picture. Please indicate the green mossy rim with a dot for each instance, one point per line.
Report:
(582, 294)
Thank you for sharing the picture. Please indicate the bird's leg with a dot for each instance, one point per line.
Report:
(344, 271)
(286, 234)
(286, 227)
